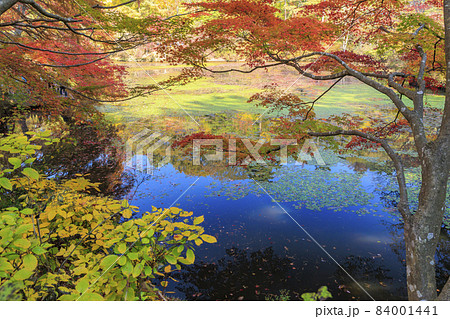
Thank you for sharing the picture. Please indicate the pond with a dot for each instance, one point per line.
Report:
(281, 229)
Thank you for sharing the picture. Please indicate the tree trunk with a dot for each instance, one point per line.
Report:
(423, 229)
(420, 269)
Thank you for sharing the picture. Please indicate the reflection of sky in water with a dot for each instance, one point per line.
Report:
(254, 222)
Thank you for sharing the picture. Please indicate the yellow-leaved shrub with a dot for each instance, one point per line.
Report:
(58, 242)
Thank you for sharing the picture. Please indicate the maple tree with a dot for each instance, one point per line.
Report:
(398, 48)
(56, 57)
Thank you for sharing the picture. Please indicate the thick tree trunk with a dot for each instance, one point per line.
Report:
(422, 230)
(420, 269)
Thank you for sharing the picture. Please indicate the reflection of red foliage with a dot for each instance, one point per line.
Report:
(238, 151)
(189, 139)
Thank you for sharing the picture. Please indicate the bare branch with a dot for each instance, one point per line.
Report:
(114, 101)
(417, 31)
(45, 12)
(74, 65)
(5, 5)
(97, 6)
(400, 88)
(319, 97)
(63, 52)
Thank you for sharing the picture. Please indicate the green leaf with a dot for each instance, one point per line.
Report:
(150, 233)
(15, 161)
(209, 239)
(22, 243)
(31, 173)
(171, 259)
(180, 249)
(5, 265)
(190, 256)
(91, 296)
(309, 296)
(193, 236)
(108, 261)
(30, 262)
(324, 293)
(5, 183)
(137, 270)
(38, 250)
(22, 274)
(184, 261)
(82, 285)
(198, 220)
(122, 260)
(133, 256)
(122, 248)
(27, 211)
(148, 270)
(23, 229)
(127, 269)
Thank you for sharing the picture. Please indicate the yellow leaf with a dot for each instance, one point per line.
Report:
(198, 241)
(190, 256)
(51, 214)
(168, 268)
(127, 213)
(198, 220)
(209, 239)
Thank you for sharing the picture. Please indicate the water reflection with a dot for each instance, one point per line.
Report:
(92, 151)
(260, 249)
(241, 275)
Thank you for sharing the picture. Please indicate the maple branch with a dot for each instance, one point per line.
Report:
(182, 14)
(412, 116)
(6, 5)
(97, 6)
(20, 24)
(418, 106)
(45, 13)
(114, 101)
(319, 97)
(360, 76)
(423, 65)
(418, 30)
(400, 88)
(74, 65)
(403, 204)
(237, 70)
(332, 76)
(63, 52)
